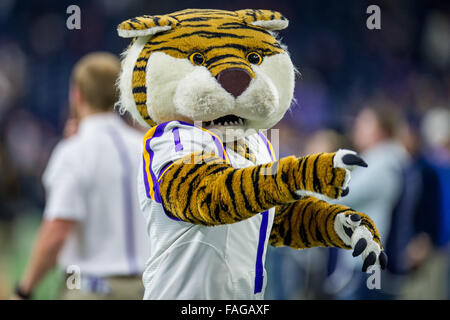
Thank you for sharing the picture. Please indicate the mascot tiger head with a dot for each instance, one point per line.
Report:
(225, 69)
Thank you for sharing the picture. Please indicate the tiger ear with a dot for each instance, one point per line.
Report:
(145, 26)
(267, 19)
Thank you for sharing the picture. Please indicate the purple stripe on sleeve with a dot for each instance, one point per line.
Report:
(147, 187)
(158, 132)
(176, 139)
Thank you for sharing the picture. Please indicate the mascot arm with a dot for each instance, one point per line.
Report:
(203, 189)
(310, 222)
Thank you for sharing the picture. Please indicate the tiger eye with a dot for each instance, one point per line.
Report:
(197, 58)
(254, 58)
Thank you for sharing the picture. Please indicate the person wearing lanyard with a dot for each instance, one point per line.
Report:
(92, 225)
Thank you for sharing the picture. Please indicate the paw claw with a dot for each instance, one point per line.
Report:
(359, 247)
(353, 160)
(345, 192)
(383, 260)
(370, 260)
(348, 231)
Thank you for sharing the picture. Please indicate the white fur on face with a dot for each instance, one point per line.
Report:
(176, 89)
(280, 70)
(164, 73)
(200, 97)
(260, 100)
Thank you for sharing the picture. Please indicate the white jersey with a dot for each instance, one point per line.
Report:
(189, 261)
(90, 178)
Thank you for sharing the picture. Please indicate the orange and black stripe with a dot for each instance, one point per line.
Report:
(217, 193)
(309, 222)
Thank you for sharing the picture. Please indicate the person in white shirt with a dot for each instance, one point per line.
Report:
(92, 224)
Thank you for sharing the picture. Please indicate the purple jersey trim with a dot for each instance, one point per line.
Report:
(259, 268)
(158, 132)
(176, 139)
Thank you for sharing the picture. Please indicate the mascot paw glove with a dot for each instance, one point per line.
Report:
(358, 231)
(328, 173)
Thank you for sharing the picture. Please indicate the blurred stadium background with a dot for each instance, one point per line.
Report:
(344, 68)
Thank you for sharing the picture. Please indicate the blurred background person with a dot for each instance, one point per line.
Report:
(425, 255)
(92, 224)
(375, 191)
(436, 132)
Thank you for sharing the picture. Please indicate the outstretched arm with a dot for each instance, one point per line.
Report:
(310, 222)
(203, 189)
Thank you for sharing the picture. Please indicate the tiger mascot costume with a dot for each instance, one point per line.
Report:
(206, 82)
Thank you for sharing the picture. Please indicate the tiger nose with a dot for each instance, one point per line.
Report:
(234, 80)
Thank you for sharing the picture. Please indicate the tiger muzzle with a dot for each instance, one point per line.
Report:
(234, 80)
